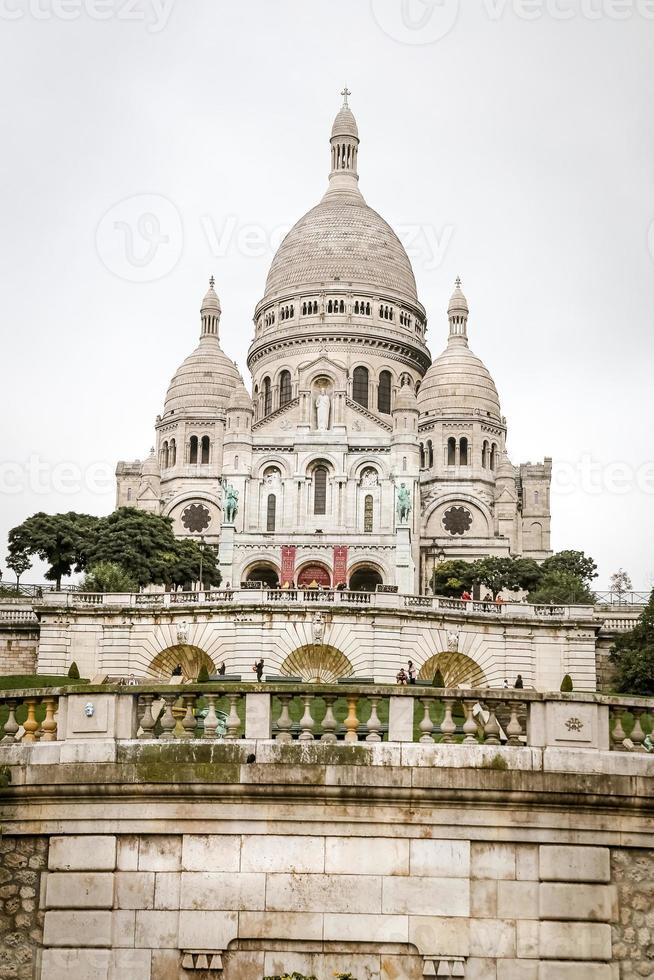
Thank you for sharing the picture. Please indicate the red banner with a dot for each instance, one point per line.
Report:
(288, 564)
(340, 564)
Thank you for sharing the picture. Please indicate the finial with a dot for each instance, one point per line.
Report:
(345, 93)
(212, 282)
(152, 450)
(458, 282)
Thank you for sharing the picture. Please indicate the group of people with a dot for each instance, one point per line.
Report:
(407, 676)
(519, 683)
(467, 597)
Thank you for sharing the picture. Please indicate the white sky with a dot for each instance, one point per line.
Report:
(517, 153)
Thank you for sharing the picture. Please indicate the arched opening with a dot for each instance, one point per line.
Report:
(384, 392)
(320, 490)
(485, 454)
(265, 573)
(493, 456)
(271, 512)
(365, 578)
(165, 456)
(193, 450)
(172, 459)
(316, 663)
(368, 514)
(360, 386)
(206, 449)
(451, 451)
(456, 669)
(190, 658)
(430, 454)
(285, 391)
(463, 452)
(314, 574)
(422, 455)
(267, 397)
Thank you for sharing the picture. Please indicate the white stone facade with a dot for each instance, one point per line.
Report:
(348, 416)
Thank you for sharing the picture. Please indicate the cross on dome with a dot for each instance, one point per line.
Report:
(345, 93)
(212, 282)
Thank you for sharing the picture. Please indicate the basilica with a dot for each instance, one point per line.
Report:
(356, 461)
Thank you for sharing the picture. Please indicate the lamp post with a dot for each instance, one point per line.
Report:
(201, 546)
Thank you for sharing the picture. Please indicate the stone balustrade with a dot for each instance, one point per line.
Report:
(341, 713)
(374, 600)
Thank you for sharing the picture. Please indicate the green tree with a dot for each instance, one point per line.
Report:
(572, 562)
(566, 685)
(527, 573)
(19, 563)
(73, 671)
(633, 655)
(107, 576)
(496, 574)
(60, 540)
(562, 588)
(452, 577)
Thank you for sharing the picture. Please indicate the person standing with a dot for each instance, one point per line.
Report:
(411, 672)
(258, 668)
(519, 683)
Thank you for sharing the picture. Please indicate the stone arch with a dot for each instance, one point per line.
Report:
(365, 576)
(262, 466)
(262, 570)
(316, 663)
(314, 569)
(457, 670)
(189, 657)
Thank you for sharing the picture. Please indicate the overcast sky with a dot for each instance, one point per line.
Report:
(148, 144)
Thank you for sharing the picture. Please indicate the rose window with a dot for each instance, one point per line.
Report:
(196, 518)
(457, 520)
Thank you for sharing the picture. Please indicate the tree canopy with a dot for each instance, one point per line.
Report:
(633, 655)
(452, 577)
(60, 540)
(573, 562)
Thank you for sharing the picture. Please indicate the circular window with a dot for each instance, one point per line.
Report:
(457, 520)
(196, 518)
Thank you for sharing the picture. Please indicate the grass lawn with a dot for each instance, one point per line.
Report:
(23, 682)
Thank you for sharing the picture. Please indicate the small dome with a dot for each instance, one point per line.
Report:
(406, 400)
(458, 383)
(211, 303)
(458, 302)
(204, 382)
(505, 469)
(151, 465)
(345, 124)
(239, 399)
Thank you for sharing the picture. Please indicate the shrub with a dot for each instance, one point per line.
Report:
(439, 680)
(203, 675)
(73, 671)
(566, 684)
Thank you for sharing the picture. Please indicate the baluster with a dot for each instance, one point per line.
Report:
(491, 729)
(448, 725)
(329, 722)
(637, 734)
(11, 725)
(147, 722)
(284, 722)
(306, 721)
(211, 718)
(168, 718)
(49, 725)
(470, 729)
(30, 724)
(618, 734)
(514, 728)
(189, 720)
(426, 725)
(178, 713)
(373, 724)
(351, 720)
(233, 720)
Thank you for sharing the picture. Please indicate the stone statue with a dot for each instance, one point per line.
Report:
(403, 504)
(453, 641)
(231, 504)
(182, 633)
(323, 405)
(318, 629)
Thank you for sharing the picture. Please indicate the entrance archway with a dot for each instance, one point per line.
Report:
(264, 572)
(365, 578)
(317, 664)
(456, 669)
(314, 575)
(190, 658)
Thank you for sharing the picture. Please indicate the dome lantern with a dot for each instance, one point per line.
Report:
(210, 312)
(457, 313)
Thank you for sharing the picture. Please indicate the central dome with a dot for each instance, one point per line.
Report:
(342, 240)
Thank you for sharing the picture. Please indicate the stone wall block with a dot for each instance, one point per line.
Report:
(79, 890)
(493, 861)
(160, 853)
(440, 858)
(123, 928)
(440, 935)
(366, 856)
(492, 937)
(567, 862)
(597, 903)
(527, 939)
(207, 930)
(575, 941)
(204, 852)
(356, 928)
(324, 893)
(130, 964)
(215, 890)
(306, 926)
(82, 853)
(483, 898)
(575, 971)
(71, 964)
(301, 855)
(135, 889)
(516, 970)
(517, 899)
(87, 928)
(157, 930)
(430, 896)
(167, 886)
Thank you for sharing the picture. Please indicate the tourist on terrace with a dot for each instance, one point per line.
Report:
(222, 669)
(519, 683)
(401, 677)
(465, 596)
(411, 672)
(258, 668)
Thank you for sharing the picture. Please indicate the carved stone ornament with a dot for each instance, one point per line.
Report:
(182, 633)
(196, 518)
(369, 478)
(453, 641)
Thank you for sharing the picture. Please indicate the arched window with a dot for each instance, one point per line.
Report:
(193, 450)
(206, 447)
(164, 456)
(368, 510)
(285, 392)
(493, 456)
(536, 495)
(236, 462)
(430, 454)
(129, 493)
(271, 512)
(422, 456)
(404, 464)
(267, 397)
(320, 490)
(360, 386)
(384, 393)
(484, 454)
(451, 451)
(172, 457)
(463, 452)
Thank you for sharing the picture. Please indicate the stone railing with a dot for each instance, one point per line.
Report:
(343, 713)
(374, 600)
(18, 615)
